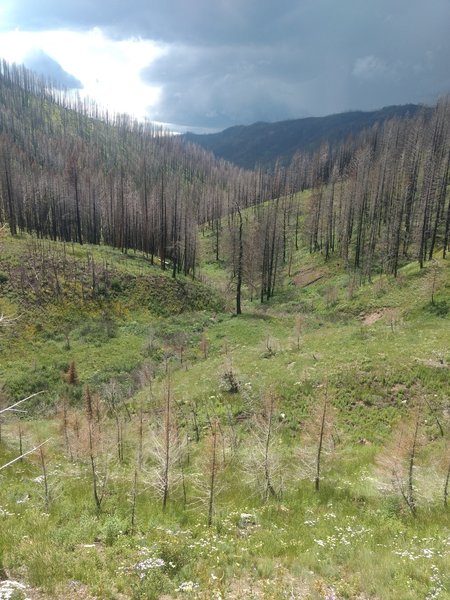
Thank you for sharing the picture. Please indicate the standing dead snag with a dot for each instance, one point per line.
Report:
(410, 497)
(320, 444)
(239, 263)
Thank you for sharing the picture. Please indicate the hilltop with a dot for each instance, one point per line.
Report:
(263, 144)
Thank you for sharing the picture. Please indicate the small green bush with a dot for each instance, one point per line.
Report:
(152, 586)
(112, 529)
(439, 308)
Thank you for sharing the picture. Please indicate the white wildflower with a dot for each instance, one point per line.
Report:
(149, 563)
(187, 586)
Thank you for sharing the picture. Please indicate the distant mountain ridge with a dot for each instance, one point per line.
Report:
(264, 143)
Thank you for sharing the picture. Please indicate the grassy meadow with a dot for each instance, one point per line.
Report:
(152, 387)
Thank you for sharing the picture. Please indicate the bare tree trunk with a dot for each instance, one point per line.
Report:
(133, 500)
(410, 495)
(167, 425)
(239, 265)
(319, 448)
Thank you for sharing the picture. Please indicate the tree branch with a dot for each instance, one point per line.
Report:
(11, 462)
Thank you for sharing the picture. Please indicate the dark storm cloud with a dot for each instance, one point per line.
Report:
(190, 21)
(45, 65)
(237, 61)
(225, 85)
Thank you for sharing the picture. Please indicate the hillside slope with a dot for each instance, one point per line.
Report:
(262, 144)
(376, 353)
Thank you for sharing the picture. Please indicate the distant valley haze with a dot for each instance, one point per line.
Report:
(207, 65)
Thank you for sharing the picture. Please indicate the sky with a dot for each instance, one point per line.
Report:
(205, 65)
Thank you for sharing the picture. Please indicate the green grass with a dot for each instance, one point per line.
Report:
(377, 349)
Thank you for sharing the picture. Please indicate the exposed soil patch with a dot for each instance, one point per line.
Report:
(374, 316)
(439, 363)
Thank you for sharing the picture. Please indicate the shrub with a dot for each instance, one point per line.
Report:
(439, 308)
(230, 382)
(112, 528)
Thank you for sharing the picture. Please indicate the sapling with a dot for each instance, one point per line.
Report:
(317, 444)
(212, 471)
(263, 464)
(94, 444)
(167, 454)
(166, 449)
(207, 479)
(398, 461)
(113, 395)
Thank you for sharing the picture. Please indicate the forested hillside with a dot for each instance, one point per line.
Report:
(263, 144)
(71, 173)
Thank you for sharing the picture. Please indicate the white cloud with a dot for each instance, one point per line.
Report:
(108, 69)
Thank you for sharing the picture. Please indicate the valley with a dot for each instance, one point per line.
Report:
(235, 383)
